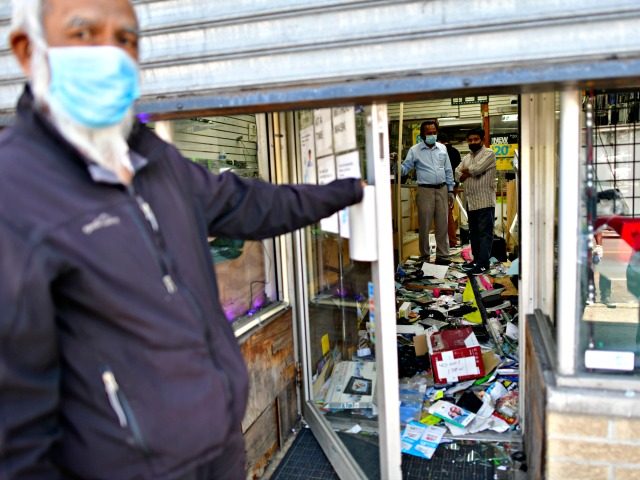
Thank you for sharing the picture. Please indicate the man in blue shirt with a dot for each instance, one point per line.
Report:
(435, 189)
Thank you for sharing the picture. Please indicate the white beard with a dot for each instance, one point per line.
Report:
(105, 146)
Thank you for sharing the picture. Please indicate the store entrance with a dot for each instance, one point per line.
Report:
(450, 340)
(457, 324)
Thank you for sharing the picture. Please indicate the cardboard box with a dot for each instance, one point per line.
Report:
(420, 345)
(455, 356)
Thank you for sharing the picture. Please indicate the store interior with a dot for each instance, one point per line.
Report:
(439, 310)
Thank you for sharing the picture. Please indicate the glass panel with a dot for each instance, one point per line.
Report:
(341, 341)
(610, 278)
(230, 143)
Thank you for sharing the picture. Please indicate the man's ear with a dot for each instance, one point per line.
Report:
(22, 49)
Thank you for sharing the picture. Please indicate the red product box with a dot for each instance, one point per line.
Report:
(455, 356)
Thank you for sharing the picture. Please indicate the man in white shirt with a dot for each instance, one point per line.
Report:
(435, 189)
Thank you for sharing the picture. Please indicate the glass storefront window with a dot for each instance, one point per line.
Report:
(341, 334)
(610, 241)
(245, 269)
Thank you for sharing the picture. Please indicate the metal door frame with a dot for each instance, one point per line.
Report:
(382, 273)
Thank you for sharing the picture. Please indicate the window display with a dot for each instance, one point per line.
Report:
(610, 334)
(245, 270)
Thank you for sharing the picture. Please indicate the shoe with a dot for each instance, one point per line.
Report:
(442, 261)
(478, 270)
(607, 302)
(468, 266)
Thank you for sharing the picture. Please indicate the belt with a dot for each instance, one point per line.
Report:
(424, 185)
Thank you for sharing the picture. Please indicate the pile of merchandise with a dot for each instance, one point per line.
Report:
(458, 363)
(457, 354)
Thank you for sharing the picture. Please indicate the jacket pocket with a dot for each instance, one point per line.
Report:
(123, 411)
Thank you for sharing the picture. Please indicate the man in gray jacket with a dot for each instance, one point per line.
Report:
(116, 360)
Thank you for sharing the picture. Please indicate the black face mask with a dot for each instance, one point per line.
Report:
(474, 147)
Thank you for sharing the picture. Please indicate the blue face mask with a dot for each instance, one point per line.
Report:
(95, 86)
(430, 139)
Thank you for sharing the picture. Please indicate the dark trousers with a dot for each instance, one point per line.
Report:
(229, 465)
(481, 234)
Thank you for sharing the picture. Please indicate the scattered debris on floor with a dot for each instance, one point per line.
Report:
(457, 340)
(458, 356)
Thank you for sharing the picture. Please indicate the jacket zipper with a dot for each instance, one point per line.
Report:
(122, 409)
(150, 217)
(171, 286)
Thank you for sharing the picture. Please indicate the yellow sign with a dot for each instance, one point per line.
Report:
(505, 149)
(415, 134)
(325, 344)
(504, 164)
(504, 155)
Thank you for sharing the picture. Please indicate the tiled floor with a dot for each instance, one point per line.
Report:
(477, 459)
(305, 460)
(458, 461)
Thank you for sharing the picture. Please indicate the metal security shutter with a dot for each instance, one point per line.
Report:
(250, 54)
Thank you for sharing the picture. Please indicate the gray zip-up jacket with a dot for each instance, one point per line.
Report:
(116, 359)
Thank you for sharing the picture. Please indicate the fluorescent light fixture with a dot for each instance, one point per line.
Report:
(450, 122)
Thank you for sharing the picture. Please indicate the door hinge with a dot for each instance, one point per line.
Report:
(298, 374)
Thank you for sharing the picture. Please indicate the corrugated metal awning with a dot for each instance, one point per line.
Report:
(270, 54)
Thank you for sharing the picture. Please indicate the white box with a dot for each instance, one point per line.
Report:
(403, 311)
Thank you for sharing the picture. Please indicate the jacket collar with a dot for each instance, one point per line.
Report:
(143, 144)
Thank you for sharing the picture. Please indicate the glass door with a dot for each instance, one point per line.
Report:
(345, 291)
